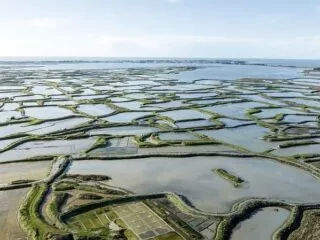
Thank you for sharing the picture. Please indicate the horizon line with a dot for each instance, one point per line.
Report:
(166, 57)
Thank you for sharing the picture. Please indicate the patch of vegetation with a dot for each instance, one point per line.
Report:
(120, 223)
(55, 206)
(199, 142)
(98, 189)
(252, 111)
(58, 201)
(309, 227)
(100, 142)
(279, 117)
(35, 121)
(89, 196)
(169, 236)
(95, 234)
(235, 180)
(21, 181)
(130, 235)
(180, 226)
(64, 186)
(112, 215)
(91, 177)
(294, 144)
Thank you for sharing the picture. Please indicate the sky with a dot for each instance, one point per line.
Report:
(161, 28)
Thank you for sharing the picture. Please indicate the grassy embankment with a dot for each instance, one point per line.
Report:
(235, 180)
(30, 218)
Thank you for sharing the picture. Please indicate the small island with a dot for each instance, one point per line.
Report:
(235, 180)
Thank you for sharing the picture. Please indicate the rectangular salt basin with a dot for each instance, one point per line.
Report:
(123, 130)
(135, 105)
(47, 112)
(197, 123)
(305, 149)
(249, 137)
(43, 128)
(41, 148)
(23, 171)
(95, 109)
(10, 202)
(234, 110)
(126, 117)
(7, 115)
(178, 115)
(269, 113)
(176, 136)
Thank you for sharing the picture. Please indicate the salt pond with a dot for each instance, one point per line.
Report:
(126, 117)
(234, 110)
(47, 112)
(261, 224)
(95, 109)
(41, 148)
(249, 137)
(9, 226)
(24, 171)
(123, 130)
(185, 114)
(208, 191)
